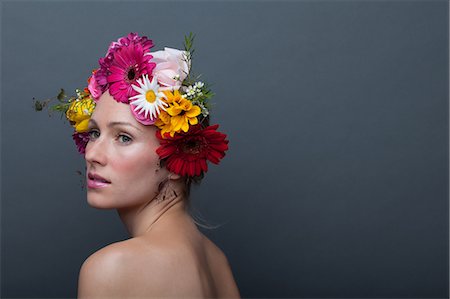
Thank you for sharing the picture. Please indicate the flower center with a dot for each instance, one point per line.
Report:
(191, 146)
(150, 96)
(131, 74)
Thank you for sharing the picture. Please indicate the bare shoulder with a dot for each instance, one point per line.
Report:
(222, 271)
(214, 252)
(157, 268)
(117, 270)
(100, 272)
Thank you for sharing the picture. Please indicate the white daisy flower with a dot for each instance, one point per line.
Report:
(149, 98)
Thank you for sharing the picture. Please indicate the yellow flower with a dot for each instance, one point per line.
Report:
(172, 96)
(182, 112)
(179, 115)
(163, 122)
(79, 113)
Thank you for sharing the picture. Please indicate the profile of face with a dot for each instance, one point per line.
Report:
(123, 152)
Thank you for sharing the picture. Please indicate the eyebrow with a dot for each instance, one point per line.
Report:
(114, 123)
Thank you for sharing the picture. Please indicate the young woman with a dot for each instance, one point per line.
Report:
(143, 125)
(166, 256)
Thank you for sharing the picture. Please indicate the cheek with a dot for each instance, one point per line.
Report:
(137, 164)
(135, 174)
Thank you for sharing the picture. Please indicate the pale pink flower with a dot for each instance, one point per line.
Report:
(171, 68)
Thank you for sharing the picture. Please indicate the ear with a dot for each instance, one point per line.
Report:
(174, 176)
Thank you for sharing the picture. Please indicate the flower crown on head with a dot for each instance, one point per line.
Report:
(160, 90)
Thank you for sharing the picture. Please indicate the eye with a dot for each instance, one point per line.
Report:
(124, 138)
(93, 134)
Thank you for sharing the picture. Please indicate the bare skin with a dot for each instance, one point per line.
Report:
(166, 256)
(172, 259)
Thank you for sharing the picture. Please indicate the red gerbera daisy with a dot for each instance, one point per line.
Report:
(128, 65)
(187, 153)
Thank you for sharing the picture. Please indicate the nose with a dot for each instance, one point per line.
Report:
(96, 151)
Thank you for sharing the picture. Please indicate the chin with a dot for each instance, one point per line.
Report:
(99, 201)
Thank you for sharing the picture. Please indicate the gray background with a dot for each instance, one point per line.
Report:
(336, 181)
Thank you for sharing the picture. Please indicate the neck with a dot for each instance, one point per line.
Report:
(169, 204)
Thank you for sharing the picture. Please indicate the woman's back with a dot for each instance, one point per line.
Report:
(169, 261)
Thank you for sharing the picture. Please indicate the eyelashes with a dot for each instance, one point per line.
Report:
(122, 138)
(90, 134)
(127, 138)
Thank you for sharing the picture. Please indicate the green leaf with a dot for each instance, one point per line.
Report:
(61, 95)
(189, 42)
(38, 106)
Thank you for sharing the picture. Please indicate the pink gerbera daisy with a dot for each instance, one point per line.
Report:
(132, 38)
(106, 62)
(129, 64)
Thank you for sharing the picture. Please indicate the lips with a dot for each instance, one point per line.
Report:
(96, 181)
(97, 178)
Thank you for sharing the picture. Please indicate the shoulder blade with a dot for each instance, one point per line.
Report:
(114, 271)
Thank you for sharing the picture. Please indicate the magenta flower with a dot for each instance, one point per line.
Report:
(132, 38)
(100, 77)
(81, 140)
(129, 63)
(106, 62)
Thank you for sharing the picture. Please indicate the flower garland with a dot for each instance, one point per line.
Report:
(160, 90)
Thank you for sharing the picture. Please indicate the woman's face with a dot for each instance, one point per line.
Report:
(122, 151)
